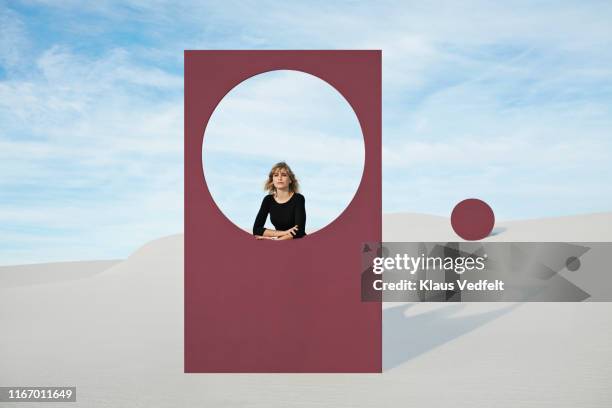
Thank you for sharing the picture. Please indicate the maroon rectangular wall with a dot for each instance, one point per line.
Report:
(302, 312)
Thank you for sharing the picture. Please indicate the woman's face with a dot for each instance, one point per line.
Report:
(280, 179)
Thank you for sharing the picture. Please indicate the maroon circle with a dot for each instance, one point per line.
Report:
(472, 219)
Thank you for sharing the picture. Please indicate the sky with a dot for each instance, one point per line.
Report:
(510, 103)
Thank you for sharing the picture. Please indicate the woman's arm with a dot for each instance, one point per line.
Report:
(262, 215)
(272, 233)
(280, 234)
(300, 216)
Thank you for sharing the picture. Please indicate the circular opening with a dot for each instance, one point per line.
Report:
(283, 116)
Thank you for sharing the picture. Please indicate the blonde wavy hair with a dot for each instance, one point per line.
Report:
(294, 185)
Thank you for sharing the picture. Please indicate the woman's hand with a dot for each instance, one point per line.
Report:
(291, 231)
(278, 235)
(288, 234)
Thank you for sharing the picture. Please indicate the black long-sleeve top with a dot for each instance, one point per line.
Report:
(283, 216)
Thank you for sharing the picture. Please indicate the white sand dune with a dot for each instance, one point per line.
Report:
(430, 228)
(117, 335)
(37, 274)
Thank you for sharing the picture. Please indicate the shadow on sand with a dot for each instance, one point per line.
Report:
(406, 337)
(497, 231)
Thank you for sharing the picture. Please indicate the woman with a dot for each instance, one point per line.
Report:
(284, 204)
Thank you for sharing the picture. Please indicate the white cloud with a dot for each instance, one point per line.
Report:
(13, 39)
(89, 147)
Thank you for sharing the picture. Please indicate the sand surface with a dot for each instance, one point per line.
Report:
(116, 332)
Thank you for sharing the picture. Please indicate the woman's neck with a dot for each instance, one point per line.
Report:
(282, 194)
